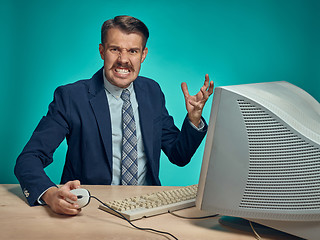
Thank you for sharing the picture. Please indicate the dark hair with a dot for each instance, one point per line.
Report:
(127, 24)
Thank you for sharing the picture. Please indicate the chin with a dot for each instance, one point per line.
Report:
(122, 83)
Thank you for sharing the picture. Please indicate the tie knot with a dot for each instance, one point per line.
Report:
(125, 95)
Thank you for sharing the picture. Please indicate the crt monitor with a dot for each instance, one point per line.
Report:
(262, 157)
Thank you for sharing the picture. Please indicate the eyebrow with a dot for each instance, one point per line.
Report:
(117, 46)
(129, 49)
(135, 48)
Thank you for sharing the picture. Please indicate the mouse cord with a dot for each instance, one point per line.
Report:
(144, 229)
(257, 236)
(202, 217)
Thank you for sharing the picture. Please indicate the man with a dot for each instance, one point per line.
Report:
(89, 114)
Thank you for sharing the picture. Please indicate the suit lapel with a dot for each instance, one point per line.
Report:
(100, 106)
(145, 109)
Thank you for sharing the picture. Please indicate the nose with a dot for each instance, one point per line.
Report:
(123, 56)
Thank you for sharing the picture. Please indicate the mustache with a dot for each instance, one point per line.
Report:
(128, 66)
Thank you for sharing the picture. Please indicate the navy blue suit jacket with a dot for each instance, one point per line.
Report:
(80, 113)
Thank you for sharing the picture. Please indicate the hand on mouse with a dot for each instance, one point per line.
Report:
(56, 198)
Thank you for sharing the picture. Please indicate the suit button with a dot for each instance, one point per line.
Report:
(26, 192)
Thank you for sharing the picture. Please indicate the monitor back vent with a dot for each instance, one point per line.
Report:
(284, 169)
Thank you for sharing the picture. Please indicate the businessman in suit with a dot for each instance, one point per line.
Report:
(88, 114)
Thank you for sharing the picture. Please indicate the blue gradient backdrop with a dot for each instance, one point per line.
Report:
(45, 44)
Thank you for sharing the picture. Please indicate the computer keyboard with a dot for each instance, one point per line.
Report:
(154, 203)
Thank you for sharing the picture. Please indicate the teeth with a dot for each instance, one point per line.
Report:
(122, 70)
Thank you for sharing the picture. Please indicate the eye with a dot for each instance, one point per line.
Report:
(114, 50)
(133, 51)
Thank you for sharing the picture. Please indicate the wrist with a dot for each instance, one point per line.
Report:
(48, 195)
(195, 120)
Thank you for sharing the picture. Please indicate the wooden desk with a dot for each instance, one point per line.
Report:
(19, 221)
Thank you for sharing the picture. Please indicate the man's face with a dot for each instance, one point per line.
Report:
(122, 54)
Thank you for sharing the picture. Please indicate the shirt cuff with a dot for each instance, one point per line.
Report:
(201, 125)
(40, 201)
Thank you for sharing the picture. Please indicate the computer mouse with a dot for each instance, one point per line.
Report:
(83, 196)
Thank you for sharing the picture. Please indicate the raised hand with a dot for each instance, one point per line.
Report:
(195, 103)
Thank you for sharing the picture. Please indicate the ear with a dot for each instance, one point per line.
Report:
(144, 54)
(101, 50)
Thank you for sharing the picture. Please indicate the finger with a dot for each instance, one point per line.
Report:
(72, 212)
(67, 204)
(206, 81)
(61, 206)
(184, 88)
(205, 94)
(207, 91)
(69, 208)
(73, 184)
(64, 193)
(210, 90)
(197, 105)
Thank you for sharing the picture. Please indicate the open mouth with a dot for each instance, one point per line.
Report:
(122, 70)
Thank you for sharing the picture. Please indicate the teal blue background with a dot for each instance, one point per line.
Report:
(45, 44)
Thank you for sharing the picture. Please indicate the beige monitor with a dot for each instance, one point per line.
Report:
(262, 157)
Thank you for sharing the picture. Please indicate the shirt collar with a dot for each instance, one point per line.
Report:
(114, 90)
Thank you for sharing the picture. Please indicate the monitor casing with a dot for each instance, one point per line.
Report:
(262, 157)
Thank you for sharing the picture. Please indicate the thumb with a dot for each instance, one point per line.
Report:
(74, 184)
(184, 88)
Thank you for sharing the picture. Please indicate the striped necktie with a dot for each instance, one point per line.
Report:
(129, 162)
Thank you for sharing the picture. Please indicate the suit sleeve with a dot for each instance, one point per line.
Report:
(180, 146)
(38, 152)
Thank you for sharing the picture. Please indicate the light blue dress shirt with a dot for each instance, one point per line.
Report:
(115, 105)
